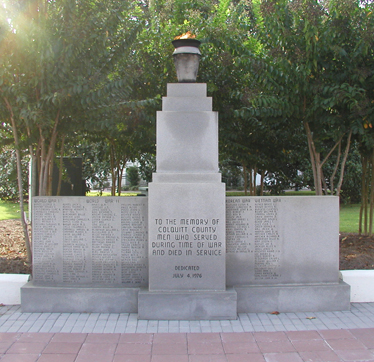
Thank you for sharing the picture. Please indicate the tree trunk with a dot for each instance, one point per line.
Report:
(254, 190)
(318, 185)
(371, 194)
(314, 160)
(324, 184)
(32, 180)
(250, 182)
(342, 166)
(120, 179)
(364, 196)
(332, 178)
(113, 170)
(262, 183)
(363, 188)
(245, 180)
(41, 165)
(46, 158)
(60, 166)
(20, 186)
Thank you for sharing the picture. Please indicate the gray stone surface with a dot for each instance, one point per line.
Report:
(90, 240)
(197, 90)
(300, 247)
(187, 267)
(293, 298)
(12, 319)
(187, 177)
(282, 240)
(201, 305)
(187, 142)
(187, 236)
(179, 104)
(72, 299)
(187, 198)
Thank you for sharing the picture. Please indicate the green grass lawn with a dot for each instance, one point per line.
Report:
(123, 193)
(349, 218)
(349, 214)
(10, 210)
(287, 193)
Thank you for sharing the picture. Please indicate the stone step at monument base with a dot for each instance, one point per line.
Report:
(293, 298)
(187, 305)
(78, 299)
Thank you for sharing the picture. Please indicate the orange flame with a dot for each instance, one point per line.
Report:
(187, 35)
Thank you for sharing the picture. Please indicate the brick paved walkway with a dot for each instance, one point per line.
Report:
(94, 337)
(292, 346)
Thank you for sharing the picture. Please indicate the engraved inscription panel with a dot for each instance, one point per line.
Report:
(253, 239)
(47, 239)
(187, 237)
(267, 239)
(280, 240)
(101, 240)
(239, 215)
(75, 240)
(134, 238)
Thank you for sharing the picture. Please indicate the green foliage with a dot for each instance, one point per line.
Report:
(95, 159)
(133, 176)
(272, 67)
(8, 174)
(351, 189)
(59, 69)
(147, 166)
(313, 71)
(231, 174)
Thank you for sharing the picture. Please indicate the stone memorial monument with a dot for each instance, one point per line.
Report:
(186, 220)
(186, 251)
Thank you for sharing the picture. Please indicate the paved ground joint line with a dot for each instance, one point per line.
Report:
(12, 319)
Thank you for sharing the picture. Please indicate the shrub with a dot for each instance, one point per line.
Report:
(133, 176)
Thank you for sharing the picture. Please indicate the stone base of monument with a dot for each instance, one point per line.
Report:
(85, 298)
(92, 255)
(187, 305)
(293, 298)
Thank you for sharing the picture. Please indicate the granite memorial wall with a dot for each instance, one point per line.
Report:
(80, 240)
(282, 240)
(100, 240)
(92, 254)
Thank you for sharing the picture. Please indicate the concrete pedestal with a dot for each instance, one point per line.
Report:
(187, 305)
(187, 214)
(293, 297)
(58, 298)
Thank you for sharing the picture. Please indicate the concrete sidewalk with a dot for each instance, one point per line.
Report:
(265, 337)
(12, 319)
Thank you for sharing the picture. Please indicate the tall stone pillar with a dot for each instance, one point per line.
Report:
(187, 246)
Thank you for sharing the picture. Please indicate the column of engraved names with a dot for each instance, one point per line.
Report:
(134, 244)
(46, 226)
(76, 248)
(267, 241)
(238, 228)
(105, 242)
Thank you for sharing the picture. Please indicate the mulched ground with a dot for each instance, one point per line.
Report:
(356, 252)
(12, 248)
